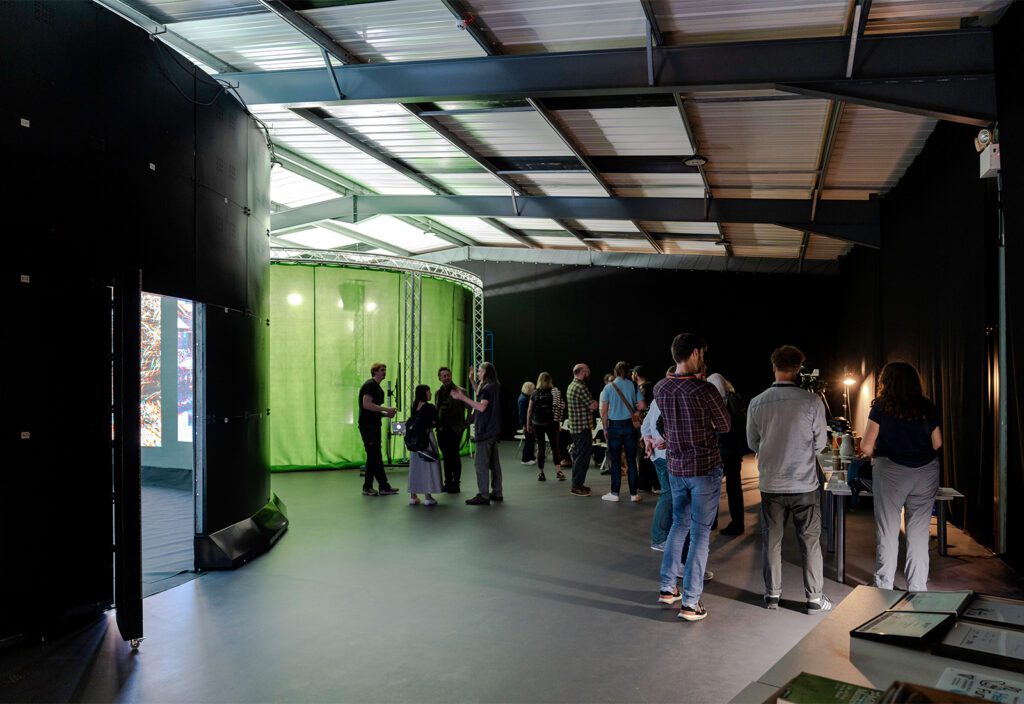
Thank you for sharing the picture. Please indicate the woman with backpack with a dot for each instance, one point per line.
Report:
(540, 420)
(424, 469)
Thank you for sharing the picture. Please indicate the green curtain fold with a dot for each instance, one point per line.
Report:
(328, 325)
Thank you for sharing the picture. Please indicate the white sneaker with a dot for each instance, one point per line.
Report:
(636, 498)
(529, 462)
(414, 502)
(610, 497)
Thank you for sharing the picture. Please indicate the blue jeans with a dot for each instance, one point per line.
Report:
(663, 511)
(694, 503)
(622, 436)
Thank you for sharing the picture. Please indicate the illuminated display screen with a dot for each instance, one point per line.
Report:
(185, 371)
(149, 378)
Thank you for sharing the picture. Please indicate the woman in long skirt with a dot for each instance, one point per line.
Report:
(424, 468)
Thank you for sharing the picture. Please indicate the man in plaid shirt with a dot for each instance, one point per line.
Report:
(581, 407)
(692, 410)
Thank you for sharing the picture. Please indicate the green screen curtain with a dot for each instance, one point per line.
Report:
(328, 325)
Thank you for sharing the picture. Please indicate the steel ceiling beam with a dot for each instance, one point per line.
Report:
(446, 233)
(365, 239)
(313, 171)
(652, 22)
(913, 65)
(967, 100)
(556, 126)
(470, 23)
(160, 31)
(482, 161)
(311, 32)
(692, 136)
(853, 221)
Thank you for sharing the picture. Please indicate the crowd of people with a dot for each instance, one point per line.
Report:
(679, 438)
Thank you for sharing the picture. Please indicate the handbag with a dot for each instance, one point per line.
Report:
(634, 415)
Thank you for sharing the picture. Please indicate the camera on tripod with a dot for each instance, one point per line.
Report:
(810, 380)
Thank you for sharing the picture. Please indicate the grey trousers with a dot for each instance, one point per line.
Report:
(488, 463)
(913, 490)
(806, 512)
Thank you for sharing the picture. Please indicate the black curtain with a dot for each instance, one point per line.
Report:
(928, 299)
(1009, 58)
(548, 318)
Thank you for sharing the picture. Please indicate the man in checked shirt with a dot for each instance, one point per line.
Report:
(692, 410)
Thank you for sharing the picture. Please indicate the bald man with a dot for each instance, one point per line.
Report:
(581, 406)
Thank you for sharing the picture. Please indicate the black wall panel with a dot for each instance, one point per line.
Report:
(222, 150)
(235, 416)
(221, 231)
(107, 178)
(56, 438)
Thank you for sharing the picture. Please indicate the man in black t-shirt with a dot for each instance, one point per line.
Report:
(451, 426)
(488, 427)
(371, 410)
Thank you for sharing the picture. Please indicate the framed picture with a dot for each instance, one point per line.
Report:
(1008, 613)
(983, 644)
(907, 628)
(934, 602)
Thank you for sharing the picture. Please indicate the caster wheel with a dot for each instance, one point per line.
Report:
(135, 643)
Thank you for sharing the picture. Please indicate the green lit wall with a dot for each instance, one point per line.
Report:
(328, 325)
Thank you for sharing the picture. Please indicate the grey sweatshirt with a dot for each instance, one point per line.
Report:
(786, 428)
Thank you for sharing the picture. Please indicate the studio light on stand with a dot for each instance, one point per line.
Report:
(847, 448)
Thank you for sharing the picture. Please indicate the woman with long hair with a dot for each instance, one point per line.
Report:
(487, 426)
(903, 436)
(424, 469)
(541, 421)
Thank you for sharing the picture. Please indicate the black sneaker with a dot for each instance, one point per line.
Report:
(696, 612)
(495, 497)
(771, 602)
(390, 491)
(478, 501)
(819, 607)
(541, 477)
(371, 492)
(579, 491)
(669, 597)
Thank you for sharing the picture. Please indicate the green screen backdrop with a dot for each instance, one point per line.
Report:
(328, 325)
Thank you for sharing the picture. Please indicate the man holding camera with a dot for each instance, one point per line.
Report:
(786, 428)
(371, 396)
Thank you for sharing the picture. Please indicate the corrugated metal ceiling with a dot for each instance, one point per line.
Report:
(760, 144)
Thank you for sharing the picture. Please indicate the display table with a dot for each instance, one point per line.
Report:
(835, 516)
(826, 651)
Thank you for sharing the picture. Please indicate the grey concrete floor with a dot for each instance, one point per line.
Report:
(545, 598)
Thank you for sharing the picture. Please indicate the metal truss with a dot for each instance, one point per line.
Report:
(412, 322)
(413, 271)
(462, 277)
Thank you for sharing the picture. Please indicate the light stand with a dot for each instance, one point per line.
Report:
(389, 395)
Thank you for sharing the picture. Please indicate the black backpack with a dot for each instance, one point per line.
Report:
(416, 434)
(543, 407)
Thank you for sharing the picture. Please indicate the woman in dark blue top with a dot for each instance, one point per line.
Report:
(903, 437)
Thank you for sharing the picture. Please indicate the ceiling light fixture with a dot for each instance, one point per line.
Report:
(695, 160)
